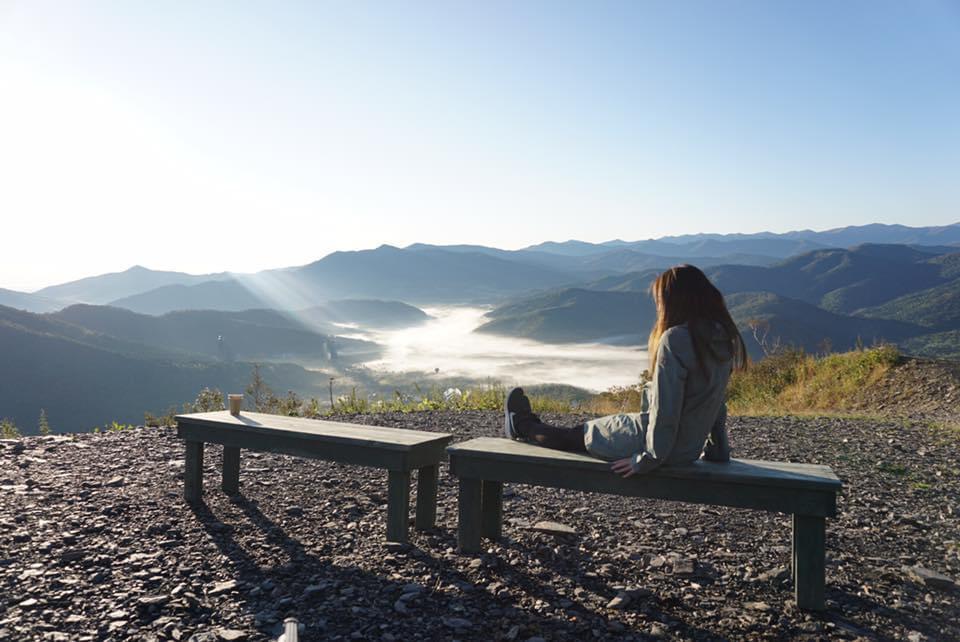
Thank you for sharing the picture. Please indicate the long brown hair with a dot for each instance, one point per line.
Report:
(684, 294)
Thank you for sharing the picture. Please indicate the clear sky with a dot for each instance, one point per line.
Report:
(209, 136)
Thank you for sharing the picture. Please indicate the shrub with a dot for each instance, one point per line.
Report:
(208, 400)
(792, 381)
(8, 429)
(43, 425)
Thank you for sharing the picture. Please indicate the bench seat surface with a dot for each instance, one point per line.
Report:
(736, 471)
(328, 431)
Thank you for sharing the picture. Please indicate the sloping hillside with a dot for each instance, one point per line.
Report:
(943, 345)
(837, 280)
(875, 382)
(84, 378)
(790, 322)
(366, 313)
(253, 334)
(937, 308)
(631, 282)
(576, 315)
(229, 295)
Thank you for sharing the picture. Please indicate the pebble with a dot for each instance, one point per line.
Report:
(619, 601)
(223, 587)
(775, 574)
(457, 623)
(930, 578)
(553, 528)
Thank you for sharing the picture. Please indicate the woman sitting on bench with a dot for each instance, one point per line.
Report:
(694, 346)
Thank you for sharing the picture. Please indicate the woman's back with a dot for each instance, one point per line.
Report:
(686, 403)
(702, 393)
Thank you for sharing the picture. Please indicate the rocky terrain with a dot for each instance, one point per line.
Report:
(917, 388)
(97, 544)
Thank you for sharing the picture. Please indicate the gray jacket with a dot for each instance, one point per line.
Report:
(687, 410)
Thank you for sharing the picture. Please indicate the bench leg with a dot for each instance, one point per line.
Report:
(492, 509)
(398, 505)
(809, 557)
(193, 472)
(468, 505)
(426, 497)
(231, 470)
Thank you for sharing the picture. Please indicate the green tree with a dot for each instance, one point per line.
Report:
(8, 429)
(291, 405)
(44, 425)
(208, 400)
(259, 392)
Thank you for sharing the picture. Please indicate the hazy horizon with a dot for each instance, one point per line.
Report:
(79, 276)
(204, 138)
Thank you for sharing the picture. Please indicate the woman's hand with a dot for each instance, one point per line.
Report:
(623, 467)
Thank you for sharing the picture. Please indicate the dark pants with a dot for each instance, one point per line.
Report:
(556, 437)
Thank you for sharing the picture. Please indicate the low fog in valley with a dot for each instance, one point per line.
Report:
(448, 342)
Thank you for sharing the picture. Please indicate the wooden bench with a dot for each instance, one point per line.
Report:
(808, 492)
(399, 451)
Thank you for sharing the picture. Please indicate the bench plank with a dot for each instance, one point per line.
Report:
(374, 446)
(332, 431)
(769, 473)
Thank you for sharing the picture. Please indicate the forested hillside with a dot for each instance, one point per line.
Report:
(825, 299)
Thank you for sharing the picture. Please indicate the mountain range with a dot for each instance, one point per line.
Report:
(427, 274)
(112, 346)
(834, 297)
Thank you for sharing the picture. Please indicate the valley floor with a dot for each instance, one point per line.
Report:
(97, 544)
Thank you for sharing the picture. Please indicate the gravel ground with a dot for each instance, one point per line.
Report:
(97, 544)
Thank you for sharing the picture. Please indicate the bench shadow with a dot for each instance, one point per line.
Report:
(301, 566)
(655, 609)
(844, 609)
(853, 605)
(292, 566)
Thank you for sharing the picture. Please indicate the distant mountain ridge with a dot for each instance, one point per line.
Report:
(29, 302)
(425, 274)
(776, 244)
(110, 287)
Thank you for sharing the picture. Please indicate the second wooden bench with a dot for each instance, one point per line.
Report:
(806, 491)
